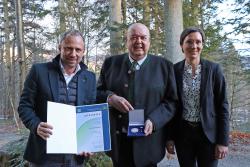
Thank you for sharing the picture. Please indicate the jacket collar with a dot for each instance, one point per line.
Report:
(54, 79)
(179, 70)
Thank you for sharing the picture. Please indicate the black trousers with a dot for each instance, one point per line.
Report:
(126, 155)
(193, 148)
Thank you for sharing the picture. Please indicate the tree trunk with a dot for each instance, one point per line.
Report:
(20, 43)
(157, 42)
(62, 11)
(115, 31)
(124, 20)
(7, 34)
(7, 55)
(87, 41)
(15, 87)
(1, 89)
(173, 28)
(146, 13)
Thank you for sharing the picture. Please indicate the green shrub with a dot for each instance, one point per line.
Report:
(16, 150)
(98, 160)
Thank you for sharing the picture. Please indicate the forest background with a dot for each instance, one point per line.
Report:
(30, 31)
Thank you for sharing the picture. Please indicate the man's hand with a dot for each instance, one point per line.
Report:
(86, 154)
(148, 127)
(119, 103)
(44, 130)
(220, 151)
(170, 147)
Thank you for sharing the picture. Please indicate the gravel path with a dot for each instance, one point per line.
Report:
(239, 156)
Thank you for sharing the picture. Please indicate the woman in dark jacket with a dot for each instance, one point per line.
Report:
(200, 129)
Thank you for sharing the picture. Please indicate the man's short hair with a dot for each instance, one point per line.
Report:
(131, 26)
(72, 32)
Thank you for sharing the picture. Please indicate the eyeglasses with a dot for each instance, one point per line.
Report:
(194, 42)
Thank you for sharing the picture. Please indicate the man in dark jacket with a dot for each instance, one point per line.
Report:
(138, 80)
(64, 80)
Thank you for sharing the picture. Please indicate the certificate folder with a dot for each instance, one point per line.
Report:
(78, 129)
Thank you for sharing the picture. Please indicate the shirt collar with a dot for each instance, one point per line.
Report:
(78, 68)
(139, 61)
(188, 68)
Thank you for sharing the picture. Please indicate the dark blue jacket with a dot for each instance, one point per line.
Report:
(41, 85)
(213, 101)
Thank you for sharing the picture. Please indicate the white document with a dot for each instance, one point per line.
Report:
(63, 119)
(78, 129)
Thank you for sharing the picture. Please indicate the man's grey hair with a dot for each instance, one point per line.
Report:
(72, 32)
(133, 25)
